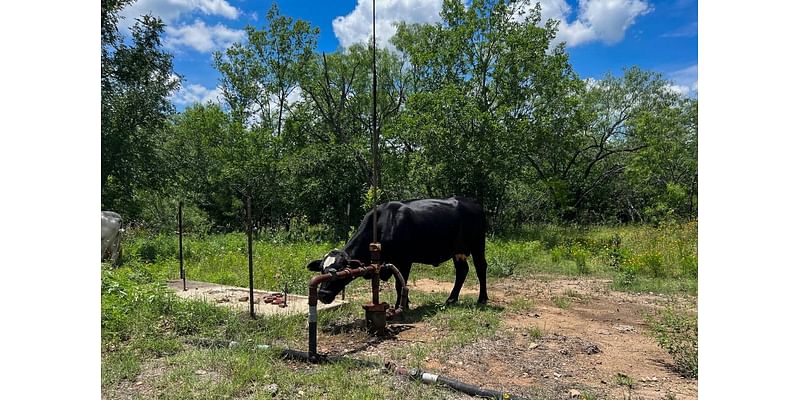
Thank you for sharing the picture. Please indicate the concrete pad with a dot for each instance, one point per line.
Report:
(229, 296)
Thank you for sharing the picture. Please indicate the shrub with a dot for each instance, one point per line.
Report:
(151, 248)
(500, 267)
(654, 264)
(689, 265)
(627, 275)
(615, 251)
(676, 333)
(558, 253)
(300, 231)
(579, 254)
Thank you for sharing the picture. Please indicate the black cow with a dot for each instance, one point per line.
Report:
(428, 231)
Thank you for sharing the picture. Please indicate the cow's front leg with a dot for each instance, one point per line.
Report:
(460, 262)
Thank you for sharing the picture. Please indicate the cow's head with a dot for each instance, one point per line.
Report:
(333, 262)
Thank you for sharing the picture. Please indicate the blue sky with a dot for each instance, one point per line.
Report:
(601, 35)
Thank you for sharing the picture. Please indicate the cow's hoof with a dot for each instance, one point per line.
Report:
(451, 301)
(483, 302)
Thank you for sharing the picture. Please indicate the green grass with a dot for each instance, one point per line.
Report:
(638, 258)
(243, 373)
(223, 259)
(521, 304)
(142, 321)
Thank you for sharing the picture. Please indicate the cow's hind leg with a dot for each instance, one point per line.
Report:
(460, 262)
(405, 270)
(479, 259)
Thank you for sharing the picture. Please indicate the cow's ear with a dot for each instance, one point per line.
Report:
(315, 265)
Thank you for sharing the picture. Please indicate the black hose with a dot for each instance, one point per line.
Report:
(473, 390)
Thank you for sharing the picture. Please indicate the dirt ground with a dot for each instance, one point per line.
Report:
(239, 298)
(589, 346)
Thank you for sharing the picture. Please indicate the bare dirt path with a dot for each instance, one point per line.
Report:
(596, 342)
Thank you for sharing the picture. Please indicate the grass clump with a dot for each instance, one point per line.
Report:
(562, 302)
(624, 380)
(535, 332)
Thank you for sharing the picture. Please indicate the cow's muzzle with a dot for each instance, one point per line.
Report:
(326, 296)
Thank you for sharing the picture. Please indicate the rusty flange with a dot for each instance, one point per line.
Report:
(376, 317)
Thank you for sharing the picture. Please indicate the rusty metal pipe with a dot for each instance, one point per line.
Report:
(312, 301)
(376, 288)
(351, 272)
(404, 291)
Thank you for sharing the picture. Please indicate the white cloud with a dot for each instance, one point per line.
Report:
(684, 81)
(597, 20)
(194, 93)
(202, 37)
(294, 96)
(357, 26)
(605, 21)
(591, 83)
(688, 30)
(171, 10)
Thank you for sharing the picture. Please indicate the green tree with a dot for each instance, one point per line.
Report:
(259, 75)
(219, 163)
(485, 88)
(331, 159)
(136, 82)
(661, 179)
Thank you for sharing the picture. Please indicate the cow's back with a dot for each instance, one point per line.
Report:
(431, 231)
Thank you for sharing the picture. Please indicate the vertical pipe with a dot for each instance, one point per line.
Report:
(180, 242)
(376, 287)
(312, 321)
(374, 136)
(250, 256)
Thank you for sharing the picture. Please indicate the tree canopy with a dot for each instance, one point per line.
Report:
(482, 104)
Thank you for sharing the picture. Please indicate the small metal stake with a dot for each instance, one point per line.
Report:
(180, 242)
(250, 257)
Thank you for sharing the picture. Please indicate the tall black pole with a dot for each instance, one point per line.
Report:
(374, 135)
(250, 256)
(180, 242)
